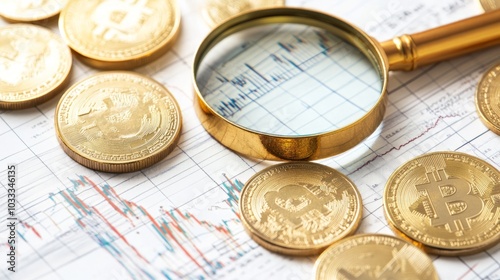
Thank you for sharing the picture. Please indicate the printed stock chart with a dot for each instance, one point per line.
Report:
(283, 66)
(179, 218)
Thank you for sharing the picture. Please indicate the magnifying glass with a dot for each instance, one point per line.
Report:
(297, 84)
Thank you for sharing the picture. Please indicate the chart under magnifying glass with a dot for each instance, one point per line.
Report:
(297, 84)
(289, 79)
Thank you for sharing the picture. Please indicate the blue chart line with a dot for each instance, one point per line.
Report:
(288, 61)
(175, 244)
(295, 80)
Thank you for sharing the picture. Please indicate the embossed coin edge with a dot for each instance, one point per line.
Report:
(129, 62)
(123, 166)
(433, 248)
(299, 250)
(482, 106)
(321, 260)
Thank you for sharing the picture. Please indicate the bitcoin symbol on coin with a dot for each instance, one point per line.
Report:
(298, 206)
(451, 201)
(120, 19)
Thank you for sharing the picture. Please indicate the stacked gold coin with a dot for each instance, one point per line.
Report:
(447, 202)
(34, 65)
(217, 11)
(299, 208)
(374, 256)
(113, 34)
(488, 99)
(32, 10)
(117, 122)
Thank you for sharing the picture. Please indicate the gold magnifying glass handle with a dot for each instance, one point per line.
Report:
(408, 52)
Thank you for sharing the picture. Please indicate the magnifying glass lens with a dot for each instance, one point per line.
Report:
(289, 79)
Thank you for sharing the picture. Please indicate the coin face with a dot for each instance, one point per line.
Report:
(34, 65)
(445, 201)
(217, 11)
(301, 207)
(30, 10)
(374, 257)
(119, 34)
(490, 5)
(117, 122)
(488, 99)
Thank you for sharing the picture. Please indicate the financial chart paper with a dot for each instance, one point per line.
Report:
(178, 219)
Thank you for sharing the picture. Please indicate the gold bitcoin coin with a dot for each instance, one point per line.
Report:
(217, 11)
(488, 99)
(119, 34)
(374, 256)
(299, 208)
(30, 10)
(34, 65)
(117, 122)
(490, 5)
(445, 201)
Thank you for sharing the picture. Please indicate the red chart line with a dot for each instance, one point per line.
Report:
(467, 272)
(427, 130)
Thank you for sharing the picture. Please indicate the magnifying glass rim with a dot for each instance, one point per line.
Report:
(363, 42)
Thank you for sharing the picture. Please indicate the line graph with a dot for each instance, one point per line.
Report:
(178, 219)
(178, 237)
(397, 148)
(293, 66)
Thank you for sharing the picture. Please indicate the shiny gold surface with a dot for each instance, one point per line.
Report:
(488, 99)
(490, 5)
(445, 201)
(408, 52)
(299, 208)
(374, 256)
(34, 65)
(113, 34)
(217, 11)
(403, 53)
(275, 147)
(117, 122)
(30, 10)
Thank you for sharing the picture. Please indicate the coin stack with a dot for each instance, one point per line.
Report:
(374, 256)
(299, 208)
(446, 202)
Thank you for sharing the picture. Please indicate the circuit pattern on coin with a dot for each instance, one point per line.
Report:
(445, 200)
(118, 121)
(300, 205)
(34, 65)
(374, 257)
(488, 99)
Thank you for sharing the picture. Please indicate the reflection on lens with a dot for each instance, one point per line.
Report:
(288, 79)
